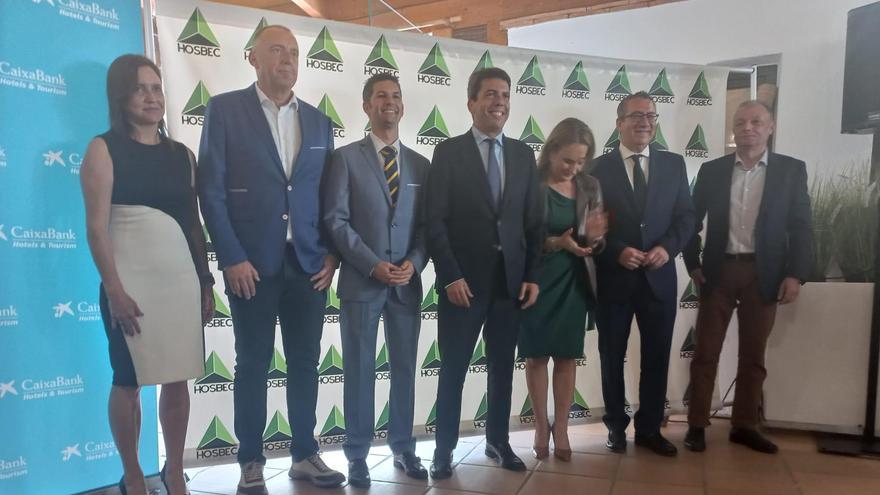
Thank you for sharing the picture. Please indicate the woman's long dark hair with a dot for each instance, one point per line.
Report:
(568, 131)
(122, 80)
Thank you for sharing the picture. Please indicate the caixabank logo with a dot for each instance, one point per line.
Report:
(478, 363)
(381, 60)
(326, 107)
(696, 147)
(485, 62)
(531, 82)
(689, 345)
(81, 311)
(532, 135)
(577, 86)
(91, 12)
(91, 450)
(381, 430)
(8, 316)
(333, 432)
(429, 304)
(276, 376)
(330, 370)
(659, 140)
(661, 91)
(42, 388)
(216, 442)
(250, 43)
(277, 436)
(699, 95)
(13, 468)
(24, 237)
(32, 79)
(222, 317)
(431, 363)
(383, 367)
(194, 110)
(197, 37)
(612, 143)
(482, 413)
(431, 422)
(434, 69)
(619, 88)
(690, 298)
(433, 130)
(323, 55)
(57, 159)
(331, 309)
(526, 412)
(579, 408)
(217, 377)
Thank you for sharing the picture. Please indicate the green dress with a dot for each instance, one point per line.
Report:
(555, 325)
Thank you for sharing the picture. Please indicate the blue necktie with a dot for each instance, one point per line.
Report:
(494, 173)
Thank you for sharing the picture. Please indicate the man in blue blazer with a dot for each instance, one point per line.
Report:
(651, 217)
(759, 250)
(261, 161)
(372, 198)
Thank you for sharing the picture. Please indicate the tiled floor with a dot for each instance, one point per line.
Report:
(723, 469)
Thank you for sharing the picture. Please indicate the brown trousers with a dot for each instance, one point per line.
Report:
(737, 288)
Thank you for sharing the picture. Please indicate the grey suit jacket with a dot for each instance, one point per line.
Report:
(365, 228)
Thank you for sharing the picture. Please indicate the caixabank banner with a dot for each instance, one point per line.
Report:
(204, 48)
(54, 369)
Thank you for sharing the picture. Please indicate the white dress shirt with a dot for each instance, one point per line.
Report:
(746, 191)
(378, 144)
(629, 162)
(483, 146)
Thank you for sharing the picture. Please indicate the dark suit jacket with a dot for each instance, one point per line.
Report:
(245, 193)
(464, 230)
(783, 231)
(668, 221)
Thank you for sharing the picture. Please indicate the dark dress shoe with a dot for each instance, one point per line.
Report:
(657, 444)
(411, 464)
(753, 440)
(358, 473)
(616, 442)
(502, 453)
(441, 465)
(695, 439)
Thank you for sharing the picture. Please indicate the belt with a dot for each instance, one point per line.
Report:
(740, 256)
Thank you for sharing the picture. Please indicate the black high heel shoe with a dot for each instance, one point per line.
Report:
(162, 478)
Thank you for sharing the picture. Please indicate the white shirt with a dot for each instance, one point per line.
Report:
(284, 125)
(746, 190)
(378, 144)
(484, 152)
(629, 162)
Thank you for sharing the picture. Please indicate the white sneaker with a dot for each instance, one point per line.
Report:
(313, 469)
(252, 481)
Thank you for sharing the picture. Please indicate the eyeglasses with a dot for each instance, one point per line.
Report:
(637, 116)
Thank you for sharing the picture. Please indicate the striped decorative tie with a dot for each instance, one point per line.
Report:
(392, 172)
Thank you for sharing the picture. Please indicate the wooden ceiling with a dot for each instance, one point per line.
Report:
(476, 20)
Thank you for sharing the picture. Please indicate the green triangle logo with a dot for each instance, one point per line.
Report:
(324, 48)
(382, 422)
(250, 44)
(434, 125)
(701, 88)
(620, 83)
(434, 64)
(326, 107)
(432, 416)
(332, 306)
(220, 308)
(483, 409)
(690, 342)
(532, 76)
(198, 32)
(278, 430)
(613, 140)
(216, 436)
(381, 55)
(526, 409)
(661, 85)
(198, 101)
(479, 355)
(332, 363)
(660, 141)
(690, 293)
(432, 359)
(578, 403)
(215, 371)
(577, 80)
(429, 303)
(485, 62)
(335, 424)
(697, 140)
(532, 132)
(382, 359)
(277, 366)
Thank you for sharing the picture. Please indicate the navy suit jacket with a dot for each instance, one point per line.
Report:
(783, 231)
(668, 221)
(246, 198)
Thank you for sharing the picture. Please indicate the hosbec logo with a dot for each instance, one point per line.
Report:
(217, 377)
(577, 86)
(431, 422)
(89, 451)
(690, 298)
(661, 91)
(383, 367)
(82, 311)
(326, 107)
(250, 44)
(333, 432)
(216, 442)
(619, 87)
(482, 413)
(527, 413)
(434, 69)
(194, 110)
(381, 430)
(579, 407)
(331, 309)
(330, 370)
(197, 37)
(479, 363)
(433, 130)
(381, 60)
(699, 95)
(531, 82)
(8, 316)
(22, 237)
(431, 363)
(696, 147)
(323, 55)
(13, 468)
(532, 135)
(16, 76)
(429, 304)
(34, 389)
(89, 12)
(277, 435)
(689, 345)
(222, 317)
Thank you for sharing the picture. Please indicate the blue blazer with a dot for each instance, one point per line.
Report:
(246, 198)
(668, 221)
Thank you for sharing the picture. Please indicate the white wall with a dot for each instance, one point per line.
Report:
(809, 35)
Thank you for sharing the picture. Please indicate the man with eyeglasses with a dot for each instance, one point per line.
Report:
(651, 218)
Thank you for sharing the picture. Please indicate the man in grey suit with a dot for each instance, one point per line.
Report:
(371, 200)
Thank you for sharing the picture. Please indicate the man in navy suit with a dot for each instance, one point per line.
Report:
(651, 218)
(261, 162)
(759, 250)
(372, 209)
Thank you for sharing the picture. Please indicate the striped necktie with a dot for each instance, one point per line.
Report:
(392, 172)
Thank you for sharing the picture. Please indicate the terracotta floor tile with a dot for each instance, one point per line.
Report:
(819, 484)
(638, 488)
(478, 457)
(553, 483)
(656, 469)
(593, 465)
(484, 479)
(804, 462)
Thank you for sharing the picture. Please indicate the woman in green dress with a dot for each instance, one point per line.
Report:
(555, 326)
